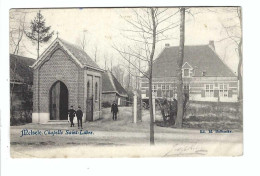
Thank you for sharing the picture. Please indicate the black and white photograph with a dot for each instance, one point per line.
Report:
(129, 82)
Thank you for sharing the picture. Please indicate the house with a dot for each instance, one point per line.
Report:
(205, 76)
(112, 90)
(21, 80)
(64, 76)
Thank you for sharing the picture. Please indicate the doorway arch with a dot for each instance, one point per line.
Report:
(59, 101)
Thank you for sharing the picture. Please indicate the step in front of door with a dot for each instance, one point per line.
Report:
(57, 122)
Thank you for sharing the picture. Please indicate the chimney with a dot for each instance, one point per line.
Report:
(211, 44)
(167, 45)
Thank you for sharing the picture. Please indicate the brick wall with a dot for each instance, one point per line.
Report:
(196, 87)
(59, 67)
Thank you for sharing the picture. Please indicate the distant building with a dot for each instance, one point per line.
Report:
(205, 76)
(64, 76)
(21, 81)
(112, 90)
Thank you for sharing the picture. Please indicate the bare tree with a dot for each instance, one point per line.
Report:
(16, 35)
(232, 26)
(83, 40)
(148, 27)
(119, 72)
(178, 122)
(17, 31)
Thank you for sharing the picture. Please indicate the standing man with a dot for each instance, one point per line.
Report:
(114, 110)
(79, 115)
(72, 113)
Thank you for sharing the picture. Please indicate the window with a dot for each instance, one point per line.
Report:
(88, 90)
(186, 86)
(167, 87)
(186, 72)
(209, 92)
(154, 88)
(223, 90)
(163, 87)
(96, 91)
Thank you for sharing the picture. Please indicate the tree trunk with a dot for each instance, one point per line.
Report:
(151, 80)
(178, 122)
(239, 70)
(151, 110)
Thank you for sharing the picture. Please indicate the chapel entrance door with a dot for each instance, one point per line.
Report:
(59, 101)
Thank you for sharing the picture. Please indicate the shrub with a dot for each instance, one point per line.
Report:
(106, 104)
(23, 117)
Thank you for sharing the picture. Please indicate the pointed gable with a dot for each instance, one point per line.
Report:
(186, 66)
(76, 53)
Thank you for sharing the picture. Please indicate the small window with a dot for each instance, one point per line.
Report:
(96, 91)
(88, 90)
(163, 87)
(223, 90)
(154, 88)
(209, 92)
(186, 72)
(203, 73)
(186, 86)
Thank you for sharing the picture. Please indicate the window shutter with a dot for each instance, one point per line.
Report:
(216, 93)
(159, 93)
(147, 92)
(230, 93)
(202, 93)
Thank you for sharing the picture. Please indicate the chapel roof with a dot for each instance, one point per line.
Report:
(80, 54)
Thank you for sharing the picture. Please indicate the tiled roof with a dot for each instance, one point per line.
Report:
(22, 73)
(111, 84)
(201, 58)
(80, 54)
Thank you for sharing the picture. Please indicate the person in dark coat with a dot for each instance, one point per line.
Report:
(79, 115)
(72, 113)
(114, 110)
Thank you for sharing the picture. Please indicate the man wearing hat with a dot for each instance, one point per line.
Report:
(79, 115)
(72, 113)
(114, 110)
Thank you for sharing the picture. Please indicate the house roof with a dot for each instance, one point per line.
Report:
(111, 85)
(79, 55)
(201, 58)
(23, 72)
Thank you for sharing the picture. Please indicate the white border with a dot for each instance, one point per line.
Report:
(244, 165)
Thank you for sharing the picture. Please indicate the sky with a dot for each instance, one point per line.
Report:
(103, 28)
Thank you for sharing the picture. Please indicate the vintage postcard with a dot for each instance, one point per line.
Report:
(126, 82)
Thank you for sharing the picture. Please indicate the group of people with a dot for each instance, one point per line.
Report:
(79, 114)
